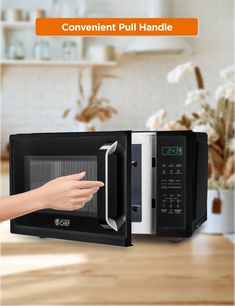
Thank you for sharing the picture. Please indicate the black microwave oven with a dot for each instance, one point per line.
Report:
(155, 183)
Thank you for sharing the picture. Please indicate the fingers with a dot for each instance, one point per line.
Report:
(79, 203)
(84, 201)
(89, 184)
(82, 196)
(82, 184)
(87, 192)
(76, 176)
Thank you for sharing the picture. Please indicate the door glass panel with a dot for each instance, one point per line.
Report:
(42, 169)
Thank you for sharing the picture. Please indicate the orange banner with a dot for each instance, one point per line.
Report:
(117, 27)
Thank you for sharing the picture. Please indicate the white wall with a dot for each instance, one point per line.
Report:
(34, 98)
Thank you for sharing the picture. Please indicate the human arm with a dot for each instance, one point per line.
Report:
(63, 193)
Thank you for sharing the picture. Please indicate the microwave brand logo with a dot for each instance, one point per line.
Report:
(62, 222)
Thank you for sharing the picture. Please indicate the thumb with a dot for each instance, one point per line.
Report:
(77, 176)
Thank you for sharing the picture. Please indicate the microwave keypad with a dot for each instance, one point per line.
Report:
(172, 185)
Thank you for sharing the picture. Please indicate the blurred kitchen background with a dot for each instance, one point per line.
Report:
(40, 75)
(52, 84)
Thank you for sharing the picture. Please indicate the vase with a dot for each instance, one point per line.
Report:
(220, 212)
(83, 127)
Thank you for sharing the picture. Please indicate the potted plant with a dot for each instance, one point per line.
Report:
(88, 109)
(217, 120)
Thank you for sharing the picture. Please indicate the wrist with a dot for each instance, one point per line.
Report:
(39, 201)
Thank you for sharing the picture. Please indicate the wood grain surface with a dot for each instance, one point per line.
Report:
(54, 272)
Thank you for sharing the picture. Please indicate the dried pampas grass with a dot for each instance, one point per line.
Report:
(217, 122)
(94, 107)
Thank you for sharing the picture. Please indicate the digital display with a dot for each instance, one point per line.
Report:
(172, 150)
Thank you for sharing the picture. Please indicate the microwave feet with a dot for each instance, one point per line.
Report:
(175, 239)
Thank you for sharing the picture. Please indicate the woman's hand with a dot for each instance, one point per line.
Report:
(67, 192)
(63, 193)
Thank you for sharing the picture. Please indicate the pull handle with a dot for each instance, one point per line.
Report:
(103, 195)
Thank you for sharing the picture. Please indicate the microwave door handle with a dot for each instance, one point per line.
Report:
(103, 213)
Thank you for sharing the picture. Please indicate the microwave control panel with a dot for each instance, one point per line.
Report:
(171, 167)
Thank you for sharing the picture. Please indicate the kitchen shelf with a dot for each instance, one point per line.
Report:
(56, 63)
(19, 25)
(25, 31)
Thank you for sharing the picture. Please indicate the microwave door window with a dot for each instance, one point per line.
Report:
(42, 169)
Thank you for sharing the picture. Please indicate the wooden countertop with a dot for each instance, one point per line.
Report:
(53, 272)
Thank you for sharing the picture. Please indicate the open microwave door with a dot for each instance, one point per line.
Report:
(36, 159)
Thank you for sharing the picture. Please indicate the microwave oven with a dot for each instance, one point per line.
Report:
(155, 183)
